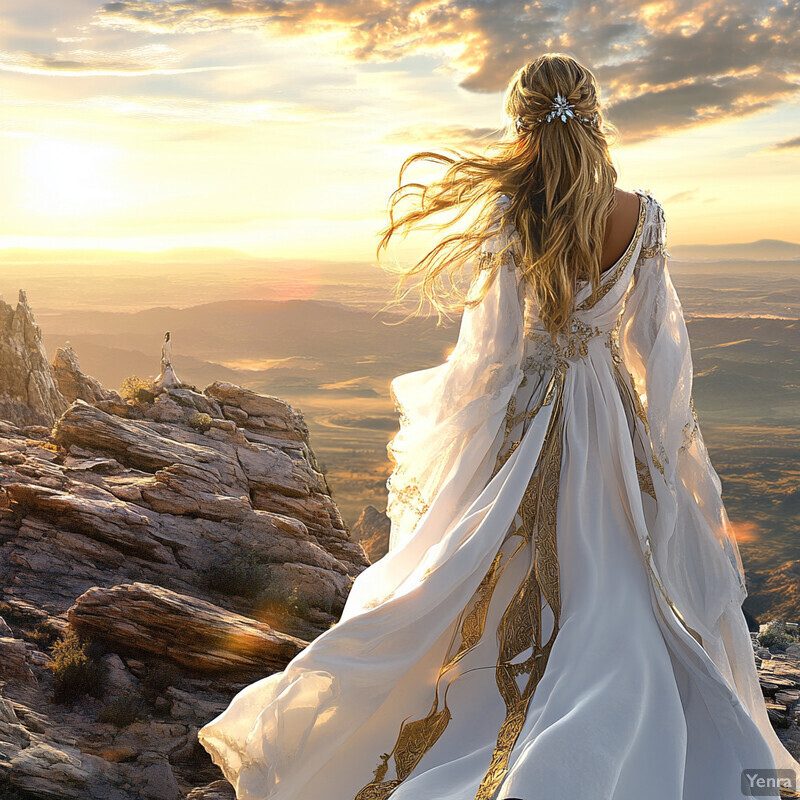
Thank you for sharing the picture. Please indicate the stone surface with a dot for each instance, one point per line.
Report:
(73, 384)
(191, 535)
(29, 394)
(372, 530)
(197, 635)
(134, 498)
(218, 790)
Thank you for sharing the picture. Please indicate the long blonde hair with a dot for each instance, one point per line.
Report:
(559, 177)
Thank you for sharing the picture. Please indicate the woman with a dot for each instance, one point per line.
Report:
(559, 614)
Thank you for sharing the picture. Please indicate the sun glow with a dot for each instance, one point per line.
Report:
(64, 178)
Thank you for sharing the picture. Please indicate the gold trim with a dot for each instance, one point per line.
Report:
(605, 285)
(654, 250)
(418, 736)
(520, 628)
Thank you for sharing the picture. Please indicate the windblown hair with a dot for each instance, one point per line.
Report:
(560, 179)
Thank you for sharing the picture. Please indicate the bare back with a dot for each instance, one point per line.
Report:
(620, 228)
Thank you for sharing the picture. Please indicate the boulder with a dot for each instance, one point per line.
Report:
(73, 384)
(197, 635)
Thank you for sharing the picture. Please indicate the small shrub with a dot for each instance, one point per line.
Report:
(243, 575)
(76, 671)
(122, 710)
(155, 683)
(275, 606)
(776, 635)
(142, 390)
(44, 636)
(199, 421)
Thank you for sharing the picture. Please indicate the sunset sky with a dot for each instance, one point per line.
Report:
(277, 127)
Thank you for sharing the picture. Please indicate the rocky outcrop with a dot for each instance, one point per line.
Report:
(372, 530)
(28, 392)
(779, 676)
(168, 501)
(45, 761)
(197, 635)
(73, 384)
(187, 537)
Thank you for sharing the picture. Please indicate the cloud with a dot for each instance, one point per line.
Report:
(662, 66)
(191, 110)
(682, 197)
(153, 59)
(454, 135)
(786, 144)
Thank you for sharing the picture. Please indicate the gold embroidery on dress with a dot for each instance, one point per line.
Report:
(520, 628)
(409, 493)
(416, 737)
(645, 478)
(660, 248)
(488, 259)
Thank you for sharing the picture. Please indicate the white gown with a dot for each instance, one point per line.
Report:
(559, 614)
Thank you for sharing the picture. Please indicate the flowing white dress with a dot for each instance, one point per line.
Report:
(559, 614)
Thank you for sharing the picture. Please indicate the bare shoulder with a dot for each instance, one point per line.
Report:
(621, 226)
(625, 200)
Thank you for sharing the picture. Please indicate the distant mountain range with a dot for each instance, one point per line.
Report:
(761, 250)
(204, 254)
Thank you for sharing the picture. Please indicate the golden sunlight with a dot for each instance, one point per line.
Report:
(66, 178)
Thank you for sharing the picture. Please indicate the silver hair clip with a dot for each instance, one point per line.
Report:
(561, 109)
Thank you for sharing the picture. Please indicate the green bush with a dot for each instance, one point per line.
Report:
(243, 574)
(122, 710)
(775, 634)
(76, 670)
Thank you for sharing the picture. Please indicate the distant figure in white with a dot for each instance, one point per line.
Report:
(167, 376)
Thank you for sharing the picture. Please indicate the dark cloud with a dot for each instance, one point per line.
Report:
(661, 66)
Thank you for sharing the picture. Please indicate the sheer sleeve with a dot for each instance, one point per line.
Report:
(693, 546)
(450, 414)
(692, 538)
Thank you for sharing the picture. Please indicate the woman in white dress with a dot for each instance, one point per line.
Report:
(559, 614)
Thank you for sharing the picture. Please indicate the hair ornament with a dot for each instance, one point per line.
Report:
(561, 109)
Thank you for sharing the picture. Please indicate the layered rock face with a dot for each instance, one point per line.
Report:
(372, 529)
(143, 492)
(28, 393)
(189, 541)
